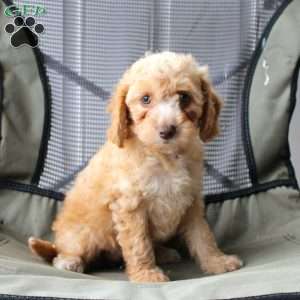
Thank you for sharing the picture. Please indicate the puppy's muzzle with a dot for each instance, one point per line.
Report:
(168, 132)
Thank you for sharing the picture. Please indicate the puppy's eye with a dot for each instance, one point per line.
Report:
(146, 99)
(184, 99)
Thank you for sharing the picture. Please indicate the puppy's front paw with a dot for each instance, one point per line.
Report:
(222, 264)
(69, 263)
(150, 275)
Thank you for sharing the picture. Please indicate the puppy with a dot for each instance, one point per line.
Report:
(145, 184)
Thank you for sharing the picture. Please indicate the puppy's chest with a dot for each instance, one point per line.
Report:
(168, 194)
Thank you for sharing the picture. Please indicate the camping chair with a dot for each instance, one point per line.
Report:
(53, 119)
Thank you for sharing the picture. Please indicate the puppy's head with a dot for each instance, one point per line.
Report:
(166, 101)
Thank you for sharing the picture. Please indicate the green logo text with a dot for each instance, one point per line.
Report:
(25, 10)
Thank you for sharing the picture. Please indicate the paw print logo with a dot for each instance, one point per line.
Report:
(24, 31)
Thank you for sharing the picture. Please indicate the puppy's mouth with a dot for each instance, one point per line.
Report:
(168, 142)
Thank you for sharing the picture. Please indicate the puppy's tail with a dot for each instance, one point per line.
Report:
(43, 249)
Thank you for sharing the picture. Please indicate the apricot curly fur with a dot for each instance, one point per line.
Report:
(143, 187)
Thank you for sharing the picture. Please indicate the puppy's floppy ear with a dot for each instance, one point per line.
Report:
(119, 130)
(209, 120)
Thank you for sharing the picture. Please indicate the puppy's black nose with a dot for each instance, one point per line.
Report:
(168, 132)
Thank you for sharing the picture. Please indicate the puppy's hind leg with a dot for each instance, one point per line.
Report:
(69, 263)
(76, 248)
(79, 244)
(48, 252)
